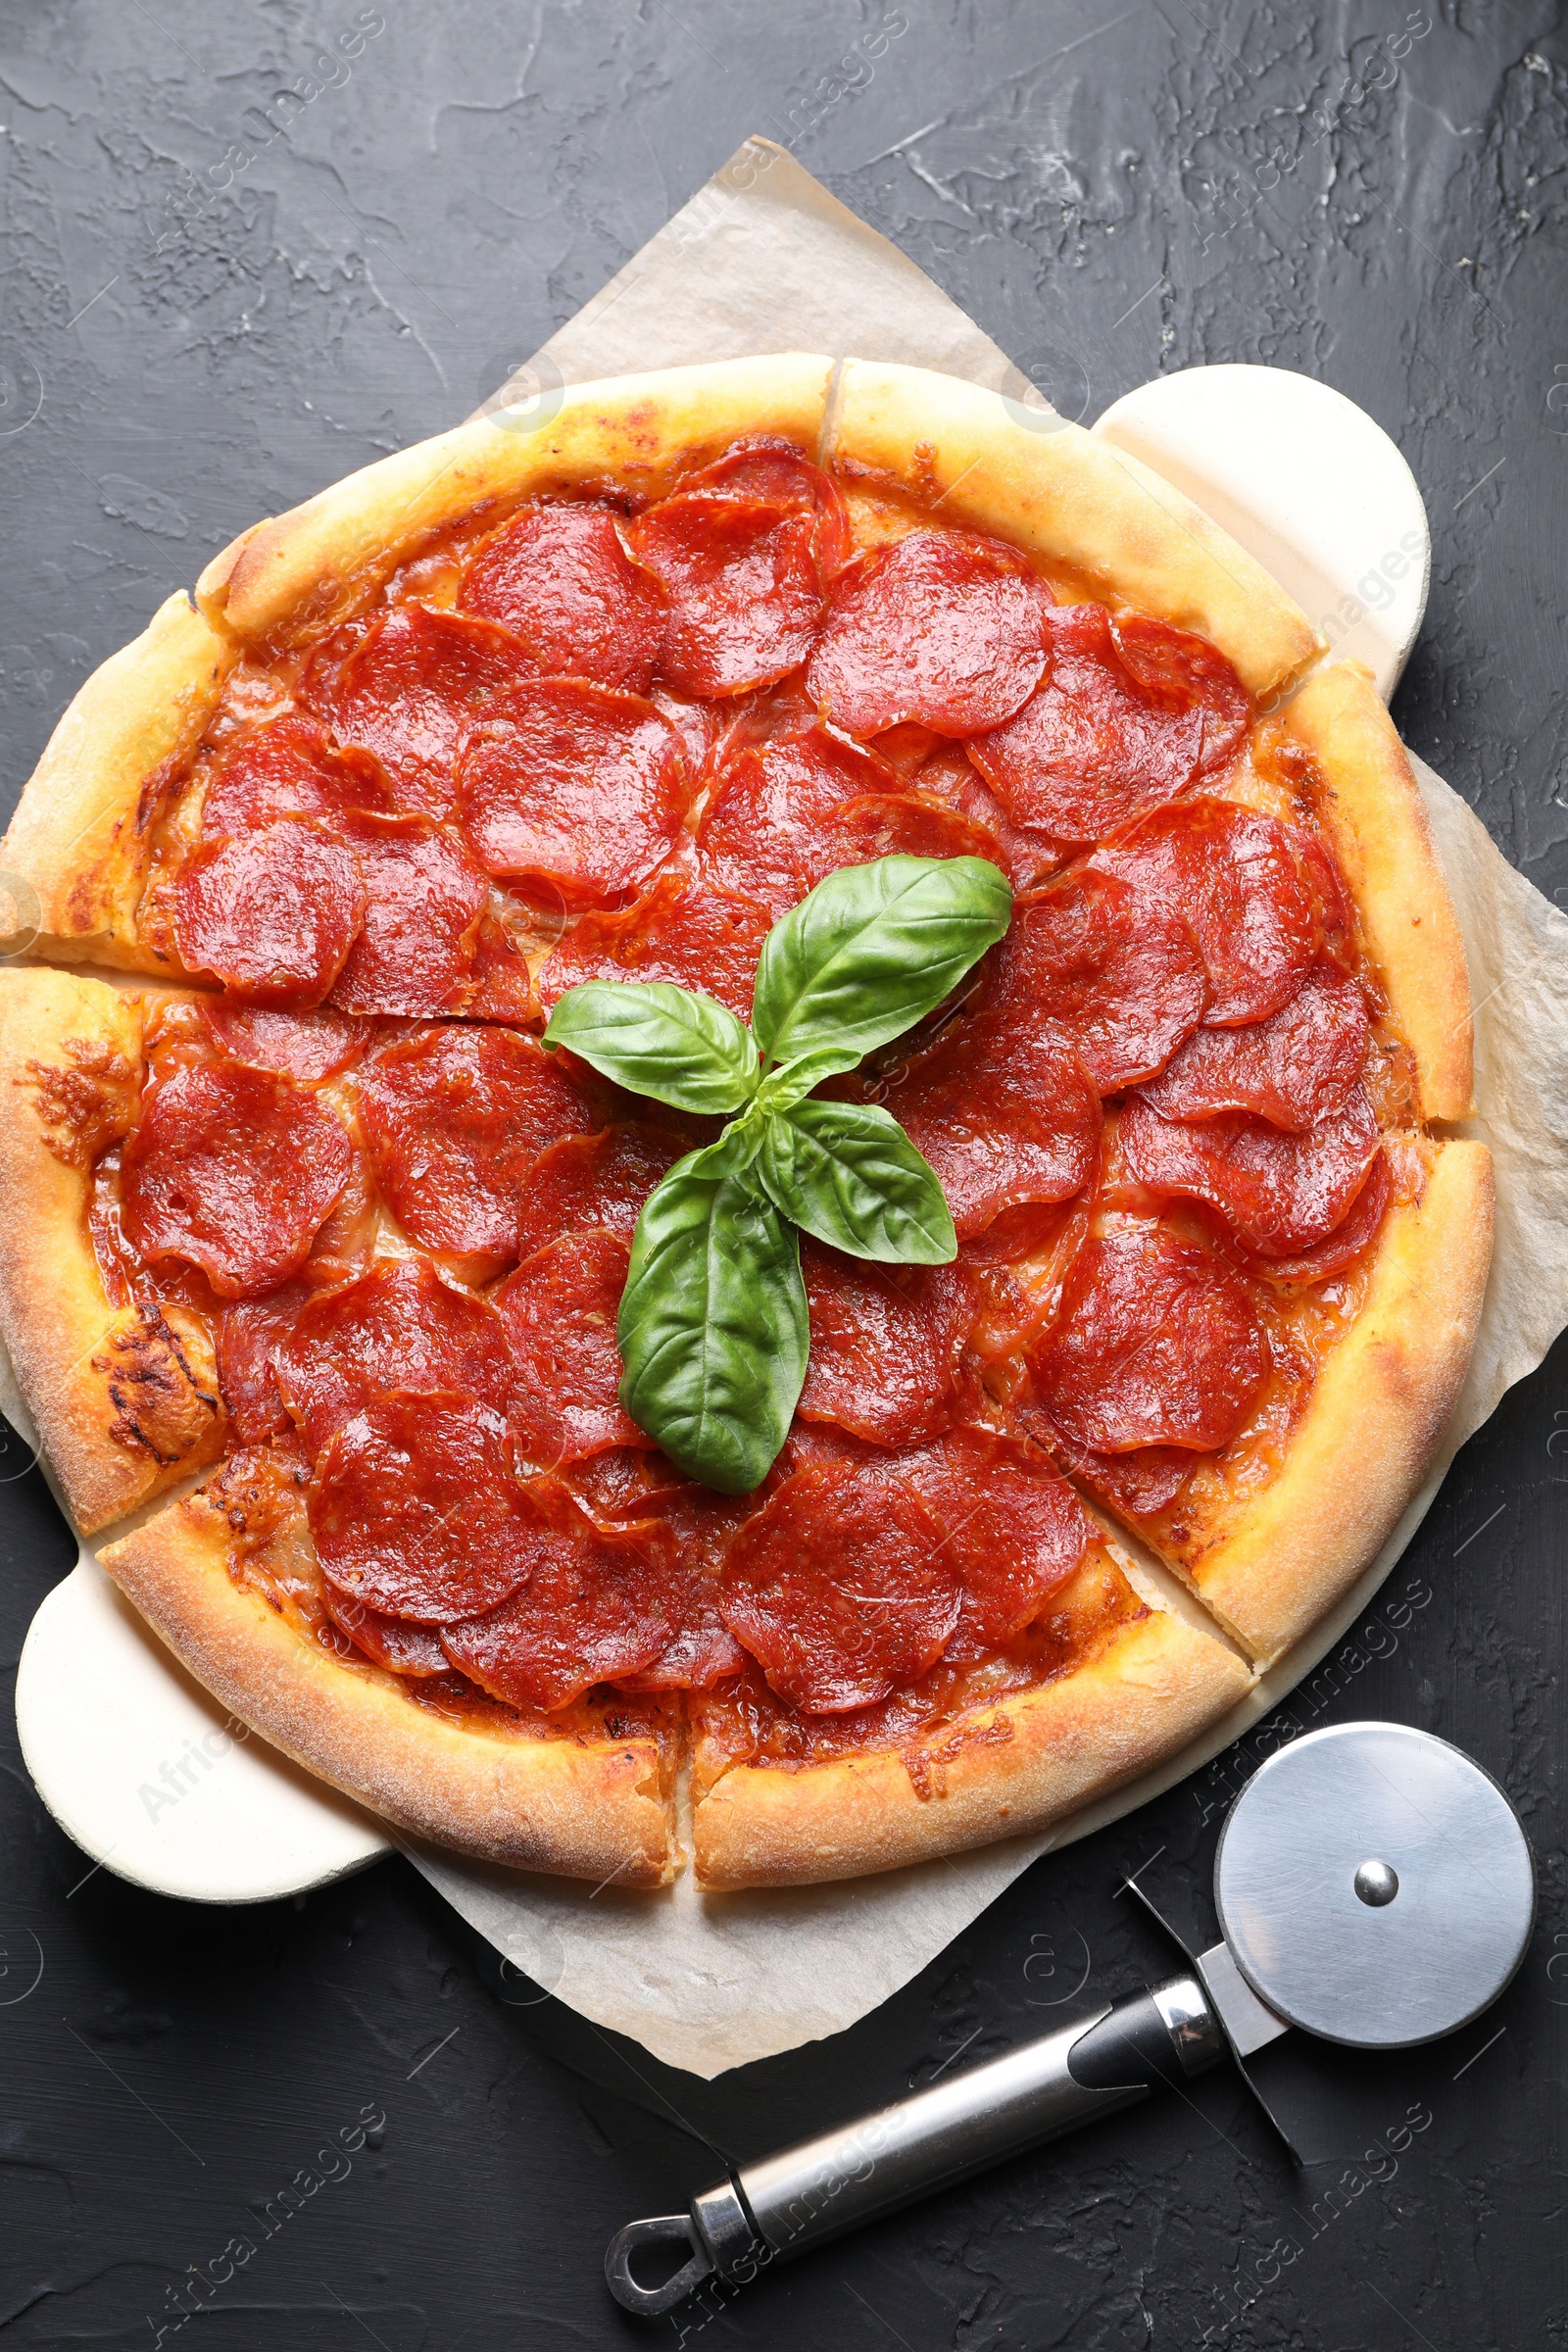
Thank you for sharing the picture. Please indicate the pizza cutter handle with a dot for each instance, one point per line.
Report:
(784, 2204)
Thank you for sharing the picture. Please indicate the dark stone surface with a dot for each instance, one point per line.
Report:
(199, 328)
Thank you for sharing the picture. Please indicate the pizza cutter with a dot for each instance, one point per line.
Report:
(1375, 1889)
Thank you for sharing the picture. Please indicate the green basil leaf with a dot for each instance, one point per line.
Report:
(713, 1328)
(671, 1043)
(847, 1172)
(790, 1084)
(870, 951)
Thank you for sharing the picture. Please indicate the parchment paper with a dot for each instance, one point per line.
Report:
(763, 259)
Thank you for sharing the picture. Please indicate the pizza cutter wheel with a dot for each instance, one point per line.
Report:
(1374, 1888)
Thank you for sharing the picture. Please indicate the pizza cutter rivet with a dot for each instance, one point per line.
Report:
(1376, 1884)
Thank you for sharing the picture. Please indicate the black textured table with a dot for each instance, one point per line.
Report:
(205, 317)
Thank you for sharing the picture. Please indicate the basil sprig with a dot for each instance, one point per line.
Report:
(714, 1329)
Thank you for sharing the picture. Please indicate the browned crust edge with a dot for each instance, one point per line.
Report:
(322, 558)
(125, 1400)
(75, 835)
(1372, 812)
(1155, 1684)
(583, 1812)
(1373, 1424)
(1055, 489)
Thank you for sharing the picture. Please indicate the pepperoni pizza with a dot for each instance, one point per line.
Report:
(310, 1252)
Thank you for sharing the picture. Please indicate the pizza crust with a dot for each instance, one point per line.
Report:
(583, 1811)
(1372, 1424)
(81, 834)
(989, 463)
(1372, 813)
(319, 563)
(126, 1399)
(1154, 1685)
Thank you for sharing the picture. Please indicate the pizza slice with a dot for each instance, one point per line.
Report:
(330, 662)
(1271, 1305)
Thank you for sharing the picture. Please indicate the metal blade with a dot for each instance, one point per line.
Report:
(1247, 2024)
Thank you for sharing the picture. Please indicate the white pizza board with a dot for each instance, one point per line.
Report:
(135, 1761)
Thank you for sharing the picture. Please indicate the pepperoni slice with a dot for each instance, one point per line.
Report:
(285, 769)
(1154, 1344)
(574, 787)
(407, 685)
(1231, 875)
(1005, 1117)
(1182, 672)
(840, 1587)
(681, 930)
(749, 721)
(599, 1605)
(1142, 1483)
(398, 1327)
(885, 1344)
(560, 579)
(248, 1338)
(1324, 885)
(1123, 980)
(950, 780)
(345, 1240)
(1357, 1230)
(896, 825)
(623, 1486)
(910, 749)
(1089, 752)
(389, 1641)
(498, 986)
(234, 1171)
(594, 1180)
(700, 727)
(271, 914)
(1138, 1483)
(560, 1308)
(1292, 1069)
(417, 1510)
(303, 1046)
(454, 1118)
(1280, 1192)
(627, 1483)
(761, 829)
(745, 592)
(765, 466)
(424, 901)
(1014, 1529)
(945, 627)
(703, 1651)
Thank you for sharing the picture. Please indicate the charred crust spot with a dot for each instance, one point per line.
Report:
(86, 1108)
(85, 899)
(165, 1404)
(158, 789)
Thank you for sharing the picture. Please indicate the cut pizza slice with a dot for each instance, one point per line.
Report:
(318, 684)
(229, 1577)
(988, 1663)
(1254, 1349)
(123, 1388)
